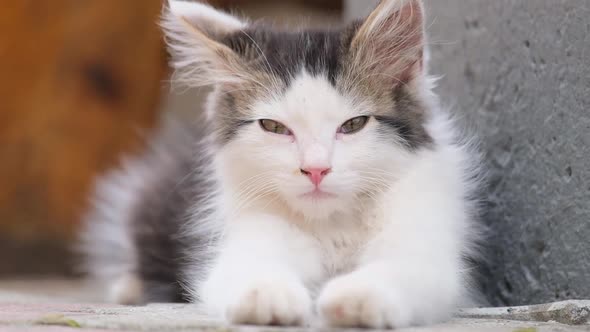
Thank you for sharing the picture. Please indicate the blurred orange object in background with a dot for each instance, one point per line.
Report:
(82, 84)
(80, 79)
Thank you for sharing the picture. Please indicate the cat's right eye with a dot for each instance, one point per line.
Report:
(274, 127)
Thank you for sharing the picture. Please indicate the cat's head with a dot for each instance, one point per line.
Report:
(316, 118)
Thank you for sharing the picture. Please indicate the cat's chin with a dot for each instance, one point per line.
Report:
(318, 194)
(317, 205)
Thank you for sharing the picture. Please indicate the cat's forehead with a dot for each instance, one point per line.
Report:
(286, 53)
(308, 98)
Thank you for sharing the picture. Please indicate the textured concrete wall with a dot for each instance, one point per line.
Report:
(519, 71)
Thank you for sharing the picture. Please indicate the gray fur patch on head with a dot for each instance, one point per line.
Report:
(274, 58)
(229, 115)
(406, 120)
(283, 54)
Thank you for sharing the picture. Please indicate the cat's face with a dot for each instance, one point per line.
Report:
(317, 119)
(314, 146)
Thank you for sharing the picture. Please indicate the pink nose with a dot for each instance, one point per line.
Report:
(316, 175)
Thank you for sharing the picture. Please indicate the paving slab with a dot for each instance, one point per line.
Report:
(20, 312)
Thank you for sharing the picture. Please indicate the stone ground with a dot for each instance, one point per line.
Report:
(50, 306)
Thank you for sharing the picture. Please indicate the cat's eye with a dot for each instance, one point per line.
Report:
(353, 125)
(274, 127)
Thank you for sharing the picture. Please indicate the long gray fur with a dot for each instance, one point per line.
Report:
(137, 224)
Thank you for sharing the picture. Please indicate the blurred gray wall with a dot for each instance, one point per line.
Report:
(518, 72)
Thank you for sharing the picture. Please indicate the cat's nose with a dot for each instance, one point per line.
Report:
(316, 175)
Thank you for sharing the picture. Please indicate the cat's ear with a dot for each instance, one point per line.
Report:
(391, 40)
(193, 33)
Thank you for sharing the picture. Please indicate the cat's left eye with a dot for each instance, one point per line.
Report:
(353, 125)
(274, 127)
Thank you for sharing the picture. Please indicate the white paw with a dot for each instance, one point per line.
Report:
(350, 301)
(271, 303)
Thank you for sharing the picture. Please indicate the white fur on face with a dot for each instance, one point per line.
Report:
(360, 163)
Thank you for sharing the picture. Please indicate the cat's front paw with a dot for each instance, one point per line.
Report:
(271, 303)
(350, 301)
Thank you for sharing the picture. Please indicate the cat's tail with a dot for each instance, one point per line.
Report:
(130, 239)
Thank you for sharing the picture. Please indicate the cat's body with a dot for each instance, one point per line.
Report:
(331, 180)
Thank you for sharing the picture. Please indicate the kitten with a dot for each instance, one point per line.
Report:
(327, 181)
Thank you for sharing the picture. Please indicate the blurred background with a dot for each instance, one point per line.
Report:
(83, 82)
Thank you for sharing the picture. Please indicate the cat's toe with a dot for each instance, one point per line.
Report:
(271, 304)
(348, 302)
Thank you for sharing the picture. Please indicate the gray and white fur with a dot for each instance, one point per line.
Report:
(329, 182)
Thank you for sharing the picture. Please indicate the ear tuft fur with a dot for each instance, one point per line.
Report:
(193, 32)
(205, 17)
(391, 40)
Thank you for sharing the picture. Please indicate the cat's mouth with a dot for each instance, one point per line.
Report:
(317, 194)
